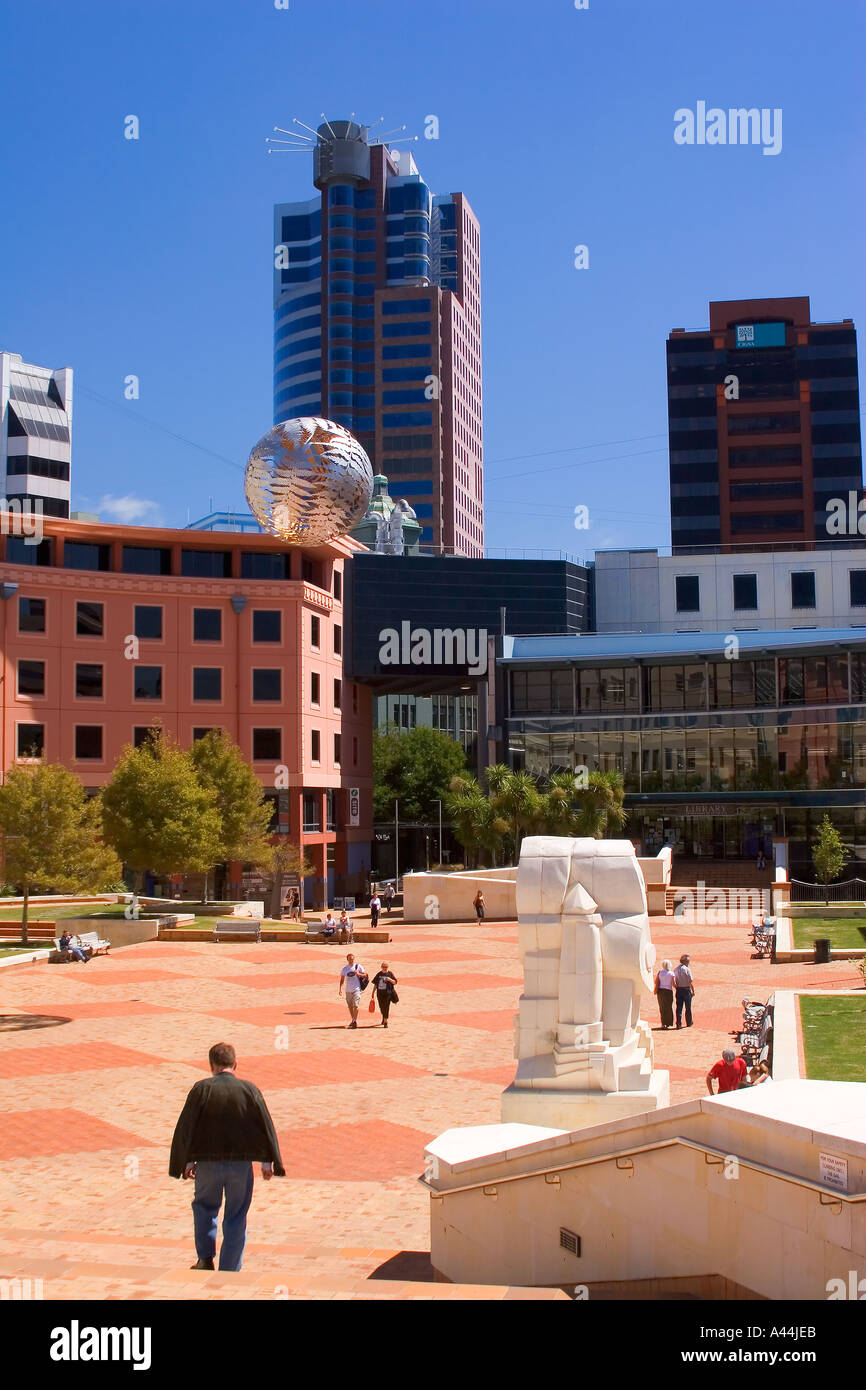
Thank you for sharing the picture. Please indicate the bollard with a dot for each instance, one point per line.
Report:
(822, 950)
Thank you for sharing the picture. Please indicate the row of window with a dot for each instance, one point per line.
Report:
(147, 622)
(207, 681)
(714, 685)
(745, 586)
(267, 744)
(194, 564)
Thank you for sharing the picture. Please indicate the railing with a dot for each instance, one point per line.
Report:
(851, 890)
(623, 1159)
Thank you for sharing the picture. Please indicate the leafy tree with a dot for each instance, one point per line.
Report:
(474, 819)
(516, 799)
(829, 855)
(158, 815)
(52, 835)
(239, 798)
(285, 858)
(415, 769)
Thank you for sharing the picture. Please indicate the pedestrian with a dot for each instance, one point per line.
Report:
(478, 904)
(355, 978)
(329, 926)
(664, 992)
(762, 863)
(730, 1073)
(384, 992)
(223, 1129)
(72, 946)
(375, 909)
(345, 925)
(685, 991)
(389, 897)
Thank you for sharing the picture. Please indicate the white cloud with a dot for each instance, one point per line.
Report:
(128, 510)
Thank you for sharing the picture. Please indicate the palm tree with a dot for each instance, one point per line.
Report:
(468, 811)
(515, 797)
(601, 806)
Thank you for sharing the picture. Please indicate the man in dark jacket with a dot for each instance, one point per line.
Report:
(223, 1128)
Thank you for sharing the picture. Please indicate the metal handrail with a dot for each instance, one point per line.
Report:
(706, 1149)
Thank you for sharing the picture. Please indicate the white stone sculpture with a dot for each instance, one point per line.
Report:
(584, 1054)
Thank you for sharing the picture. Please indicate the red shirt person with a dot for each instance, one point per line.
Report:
(730, 1072)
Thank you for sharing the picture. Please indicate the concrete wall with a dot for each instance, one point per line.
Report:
(117, 930)
(666, 1214)
(454, 894)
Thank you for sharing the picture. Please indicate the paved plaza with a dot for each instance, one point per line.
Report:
(97, 1060)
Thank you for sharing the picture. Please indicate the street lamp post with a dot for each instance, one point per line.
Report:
(439, 804)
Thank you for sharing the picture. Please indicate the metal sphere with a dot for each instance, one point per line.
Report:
(308, 480)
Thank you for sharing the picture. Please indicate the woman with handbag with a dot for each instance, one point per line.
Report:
(384, 992)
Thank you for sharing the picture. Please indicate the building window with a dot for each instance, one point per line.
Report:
(267, 625)
(803, 589)
(88, 741)
(267, 745)
(147, 622)
(88, 681)
(338, 694)
(31, 678)
(89, 620)
(330, 809)
(139, 559)
(338, 586)
(267, 684)
(207, 683)
(688, 587)
(312, 812)
(260, 564)
(200, 733)
(31, 740)
(338, 640)
(206, 564)
(314, 631)
(857, 580)
(147, 682)
(31, 615)
(144, 733)
(337, 749)
(207, 625)
(79, 555)
(745, 591)
(315, 745)
(19, 552)
(354, 752)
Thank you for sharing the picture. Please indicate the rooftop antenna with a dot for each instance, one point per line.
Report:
(328, 124)
(306, 127)
(395, 131)
(304, 142)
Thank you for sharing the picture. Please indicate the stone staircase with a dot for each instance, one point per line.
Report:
(745, 898)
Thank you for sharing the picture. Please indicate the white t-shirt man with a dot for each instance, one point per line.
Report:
(683, 977)
(349, 974)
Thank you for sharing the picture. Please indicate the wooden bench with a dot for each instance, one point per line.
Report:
(238, 927)
(36, 931)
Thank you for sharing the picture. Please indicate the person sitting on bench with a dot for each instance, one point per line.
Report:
(329, 928)
(68, 943)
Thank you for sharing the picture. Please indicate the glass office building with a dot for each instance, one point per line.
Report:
(378, 326)
(719, 757)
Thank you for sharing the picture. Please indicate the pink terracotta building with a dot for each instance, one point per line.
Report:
(107, 630)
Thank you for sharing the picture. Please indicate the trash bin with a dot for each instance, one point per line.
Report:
(822, 950)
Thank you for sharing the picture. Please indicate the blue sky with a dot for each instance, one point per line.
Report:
(154, 257)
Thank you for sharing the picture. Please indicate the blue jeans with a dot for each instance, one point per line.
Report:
(684, 998)
(213, 1180)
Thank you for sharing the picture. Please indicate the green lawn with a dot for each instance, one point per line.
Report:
(842, 931)
(834, 1036)
(45, 912)
(20, 950)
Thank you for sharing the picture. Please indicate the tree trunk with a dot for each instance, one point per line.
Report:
(24, 906)
(136, 889)
(205, 888)
(275, 912)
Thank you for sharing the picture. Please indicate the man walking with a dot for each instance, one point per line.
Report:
(223, 1129)
(389, 897)
(351, 976)
(685, 991)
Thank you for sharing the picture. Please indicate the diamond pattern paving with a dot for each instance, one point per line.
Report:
(353, 1113)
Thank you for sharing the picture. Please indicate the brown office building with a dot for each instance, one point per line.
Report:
(764, 421)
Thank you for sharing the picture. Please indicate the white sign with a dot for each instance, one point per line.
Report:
(833, 1171)
(354, 806)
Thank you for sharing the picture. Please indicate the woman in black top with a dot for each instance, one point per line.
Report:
(383, 984)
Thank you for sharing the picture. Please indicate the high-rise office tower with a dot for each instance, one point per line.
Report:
(763, 412)
(377, 300)
(35, 420)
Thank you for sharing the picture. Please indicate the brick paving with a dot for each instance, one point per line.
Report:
(92, 1097)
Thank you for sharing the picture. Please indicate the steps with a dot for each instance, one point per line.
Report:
(726, 873)
(743, 899)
